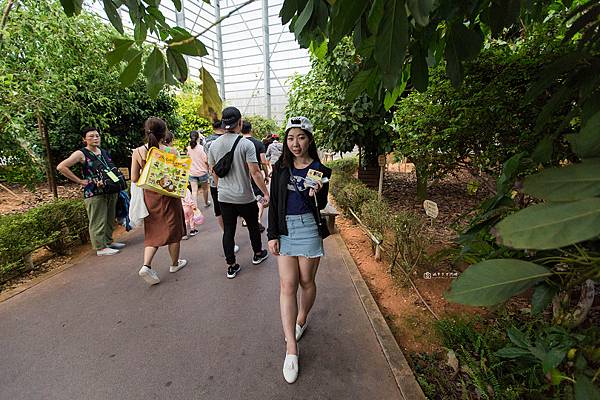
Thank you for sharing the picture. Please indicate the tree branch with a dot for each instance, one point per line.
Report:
(5, 19)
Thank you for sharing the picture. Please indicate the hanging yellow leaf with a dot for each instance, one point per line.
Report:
(211, 101)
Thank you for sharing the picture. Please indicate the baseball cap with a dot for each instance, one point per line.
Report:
(299, 122)
(230, 117)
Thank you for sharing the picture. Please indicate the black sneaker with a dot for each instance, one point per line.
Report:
(233, 270)
(258, 258)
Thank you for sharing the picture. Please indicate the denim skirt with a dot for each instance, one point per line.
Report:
(303, 239)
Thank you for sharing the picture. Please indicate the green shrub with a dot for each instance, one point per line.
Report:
(375, 214)
(409, 240)
(344, 166)
(54, 225)
(353, 195)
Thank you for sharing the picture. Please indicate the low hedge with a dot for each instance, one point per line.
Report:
(54, 225)
(344, 166)
(403, 232)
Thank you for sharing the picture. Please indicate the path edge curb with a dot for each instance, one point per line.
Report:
(403, 374)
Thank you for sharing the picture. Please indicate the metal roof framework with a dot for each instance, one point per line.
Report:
(241, 49)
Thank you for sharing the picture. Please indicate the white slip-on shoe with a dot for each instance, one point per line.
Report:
(117, 245)
(300, 330)
(150, 276)
(180, 264)
(290, 368)
(107, 251)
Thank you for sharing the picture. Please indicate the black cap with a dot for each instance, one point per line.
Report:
(230, 117)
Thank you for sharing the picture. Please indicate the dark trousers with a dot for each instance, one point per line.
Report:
(230, 213)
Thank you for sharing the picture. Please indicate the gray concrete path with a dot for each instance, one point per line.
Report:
(97, 331)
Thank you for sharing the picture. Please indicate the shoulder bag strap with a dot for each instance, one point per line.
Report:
(235, 144)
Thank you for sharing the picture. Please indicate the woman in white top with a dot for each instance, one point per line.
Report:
(199, 169)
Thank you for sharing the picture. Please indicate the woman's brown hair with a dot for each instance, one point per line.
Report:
(155, 130)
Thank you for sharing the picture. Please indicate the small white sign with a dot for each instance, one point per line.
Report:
(431, 208)
(382, 160)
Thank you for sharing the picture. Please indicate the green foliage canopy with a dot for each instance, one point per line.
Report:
(339, 124)
(69, 83)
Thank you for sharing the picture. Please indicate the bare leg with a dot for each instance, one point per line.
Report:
(194, 184)
(204, 189)
(308, 292)
(174, 252)
(149, 253)
(220, 222)
(288, 287)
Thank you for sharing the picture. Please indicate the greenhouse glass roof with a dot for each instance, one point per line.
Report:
(239, 67)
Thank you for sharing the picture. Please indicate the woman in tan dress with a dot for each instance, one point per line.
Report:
(165, 224)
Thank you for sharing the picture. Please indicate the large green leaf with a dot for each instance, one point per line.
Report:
(132, 70)
(503, 13)
(113, 15)
(586, 143)
(549, 226)
(155, 72)
(177, 4)
(392, 40)
(289, 9)
(118, 53)
(211, 101)
(344, 15)
(140, 31)
(585, 389)
(304, 17)
(177, 65)
(494, 281)
(419, 70)
(359, 84)
(72, 7)
(542, 297)
(573, 182)
(183, 42)
(375, 15)
(420, 10)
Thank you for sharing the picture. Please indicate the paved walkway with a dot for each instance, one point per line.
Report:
(97, 331)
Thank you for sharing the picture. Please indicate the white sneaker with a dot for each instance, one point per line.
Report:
(180, 264)
(117, 245)
(290, 368)
(150, 276)
(107, 251)
(236, 248)
(300, 330)
(186, 237)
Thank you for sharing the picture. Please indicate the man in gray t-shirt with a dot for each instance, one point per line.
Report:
(235, 194)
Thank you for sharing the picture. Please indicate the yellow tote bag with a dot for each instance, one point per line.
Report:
(165, 173)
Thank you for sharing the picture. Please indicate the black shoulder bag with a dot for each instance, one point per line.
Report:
(112, 179)
(323, 229)
(222, 167)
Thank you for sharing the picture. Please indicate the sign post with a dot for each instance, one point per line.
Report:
(381, 160)
(431, 209)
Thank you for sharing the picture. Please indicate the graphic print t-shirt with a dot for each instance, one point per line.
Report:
(297, 202)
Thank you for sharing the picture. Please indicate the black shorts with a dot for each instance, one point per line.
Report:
(214, 193)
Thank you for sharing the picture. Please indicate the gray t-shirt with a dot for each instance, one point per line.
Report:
(235, 187)
(274, 152)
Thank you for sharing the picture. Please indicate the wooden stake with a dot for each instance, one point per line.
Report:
(9, 191)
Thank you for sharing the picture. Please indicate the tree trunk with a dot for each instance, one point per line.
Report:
(46, 143)
(421, 184)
